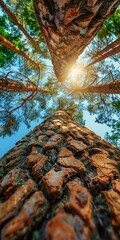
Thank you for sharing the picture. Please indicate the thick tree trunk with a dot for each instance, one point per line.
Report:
(14, 19)
(69, 26)
(60, 182)
(8, 85)
(8, 44)
(106, 88)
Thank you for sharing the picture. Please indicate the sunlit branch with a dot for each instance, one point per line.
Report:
(14, 19)
(111, 46)
(105, 88)
(30, 97)
(105, 55)
(9, 85)
(15, 49)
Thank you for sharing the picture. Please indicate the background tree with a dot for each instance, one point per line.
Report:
(24, 11)
(8, 44)
(111, 49)
(9, 31)
(115, 133)
(14, 19)
(22, 105)
(111, 28)
(102, 72)
(9, 85)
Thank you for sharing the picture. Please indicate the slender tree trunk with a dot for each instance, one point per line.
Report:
(108, 48)
(106, 88)
(9, 85)
(60, 182)
(15, 49)
(14, 19)
(69, 26)
(105, 53)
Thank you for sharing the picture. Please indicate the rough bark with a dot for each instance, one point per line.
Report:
(14, 19)
(9, 85)
(60, 182)
(15, 49)
(69, 26)
(106, 88)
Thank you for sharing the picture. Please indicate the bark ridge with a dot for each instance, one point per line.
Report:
(61, 181)
(69, 26)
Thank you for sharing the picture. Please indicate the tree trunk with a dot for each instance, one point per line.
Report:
(60, 182)
(15, 49)
(14, 19)
(106, 88)
(105, 55)
(108, 48)
(69, 26)
(9, 85)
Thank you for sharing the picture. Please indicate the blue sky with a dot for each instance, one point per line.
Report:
(7, 142)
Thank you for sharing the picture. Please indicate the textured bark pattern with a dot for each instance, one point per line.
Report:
(9, 85)
(68, 27)
(60, 182)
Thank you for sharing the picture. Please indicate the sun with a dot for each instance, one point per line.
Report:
(75, 74)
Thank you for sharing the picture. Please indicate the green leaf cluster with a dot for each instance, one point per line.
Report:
(13, 34)
(111, 27)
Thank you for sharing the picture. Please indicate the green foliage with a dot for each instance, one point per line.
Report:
(24, 11)
(71, 108)
(114, 137)
(13, 34)
(111, 27)
(10, 120)
(10, 124)
(116, 105)
(29, 18)
(107, 110)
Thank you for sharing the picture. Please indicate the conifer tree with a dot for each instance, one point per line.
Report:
(14, 19)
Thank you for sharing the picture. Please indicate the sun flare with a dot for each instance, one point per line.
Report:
(75, 75)
(75, 72)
